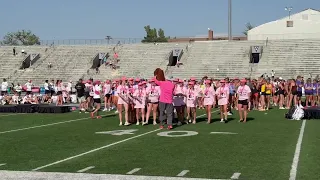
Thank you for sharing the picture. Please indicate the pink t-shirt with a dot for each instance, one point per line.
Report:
(123, 91)
(223, 95)
(153, 93)
(191, 95)
(243, 92)
(209, 92)
(141, 95)
(166, 88)
(107, 88)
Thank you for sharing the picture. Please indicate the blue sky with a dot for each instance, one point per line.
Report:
(94, 19)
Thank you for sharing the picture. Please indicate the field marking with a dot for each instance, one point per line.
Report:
(294, 166)
(183, 173)
(103, 147)
(29, 175)
(45, 125)
(94, 150)
(11, 114)
(223, 133)
(134, 170)
(85, 169)
(2, 164)
(235, 175)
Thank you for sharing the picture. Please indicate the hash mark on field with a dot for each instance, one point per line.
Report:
(294, 166)
(235, 175)
(45, 125)
(2, 164)
(94, 150)
(134, 170)
(223, 133)
(183, 173)
(85, 169)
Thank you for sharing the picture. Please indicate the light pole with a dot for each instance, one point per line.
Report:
(230, 20)
(289, 9)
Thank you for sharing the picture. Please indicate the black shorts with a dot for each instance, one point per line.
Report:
(59, 93)
(47, 92)
(243, 102)
(98, 100)
(4, 92)
(267, 94)
(299, 93)
(107, 95)
(29, 92)
(308, 93)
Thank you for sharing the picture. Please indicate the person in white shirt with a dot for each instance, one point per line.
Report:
(46, 87)
(107, 95)
(4, 87)
(96, 98)
(18, 89)
(29, 86)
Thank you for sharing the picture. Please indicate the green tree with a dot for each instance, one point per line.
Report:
(153, 35)
(248, 28)
(23, 37)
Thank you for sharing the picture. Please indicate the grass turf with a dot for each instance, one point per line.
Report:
(262, 149)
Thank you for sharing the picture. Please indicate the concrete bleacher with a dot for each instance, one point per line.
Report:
(218, 59)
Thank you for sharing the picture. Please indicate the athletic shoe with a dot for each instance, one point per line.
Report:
(105, 109)
(154, 123)
(138, 123)
(99, 117)
(120, 124)
(116, 112)
(144, 123)
(230, 114)
(126, 124)
(222, 120)
(169, 127)
(161, 127)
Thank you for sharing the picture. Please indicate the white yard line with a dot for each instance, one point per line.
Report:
(2, 164)
(27, 175)
(294, 166)
(183, 173)
(100, 148)
(134, 170)
(85, 169)
(11, 114)
(45, 125)
(235, 176)
(223, 133)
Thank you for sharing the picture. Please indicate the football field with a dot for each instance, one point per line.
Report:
(73, 146)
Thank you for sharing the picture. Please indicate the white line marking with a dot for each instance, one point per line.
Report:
(45, 125)
(235, 175)
(94, 150)
(11, 114)
(97, 149)
(85, 169)
(2, 164)
(23, 175)
(183, 173)
(223, 133)
(134, 170)
(294, 166)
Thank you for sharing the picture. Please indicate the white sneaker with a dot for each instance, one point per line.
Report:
(144, 123)
(109, 109)
(230, 114)
(300, 106)
(120, 124)
(126, 124)
(116, 112)
(105, 109)
(222, 120)
(154, 123)
(138, 123)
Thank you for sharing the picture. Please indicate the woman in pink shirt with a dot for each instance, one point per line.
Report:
(178, 100)
(191, 94)
(244, 94)
(139, 96)
(165, 100)
(208, 98)
(123, 100)
(153, 93)
(223, 98)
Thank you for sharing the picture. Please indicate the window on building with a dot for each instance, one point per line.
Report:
(289, 23)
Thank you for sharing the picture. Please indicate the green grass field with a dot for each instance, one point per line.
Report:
(262, 148)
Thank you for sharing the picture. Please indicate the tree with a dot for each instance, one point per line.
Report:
(22, 37)
(248, 28)
(153, 35)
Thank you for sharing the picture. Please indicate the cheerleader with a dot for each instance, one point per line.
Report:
(96, 99)
(153, 93)
(244, 94)
(139, 96)
(107, 95)
(123, 93)
(115, 96)
(191, 95)
(223, 98)
(314, 92)
(208, 98)
(178, 100)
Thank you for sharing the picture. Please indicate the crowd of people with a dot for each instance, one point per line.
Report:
(137, 100)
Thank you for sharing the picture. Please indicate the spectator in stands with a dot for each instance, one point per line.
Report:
(4, 87)
(166, 97)
(115, 56)
(14, 51)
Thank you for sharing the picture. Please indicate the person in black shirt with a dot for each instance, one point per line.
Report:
(80, 94)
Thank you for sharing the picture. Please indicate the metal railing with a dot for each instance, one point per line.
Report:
(91, 41)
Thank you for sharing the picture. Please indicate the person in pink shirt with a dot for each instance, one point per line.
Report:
(165, 100)
(139, 95)
(131, 109)
(191, 94)
(123, 101)
(178, 100)
(153, 93)
(244, 94)
(208, 98)
(223, 98)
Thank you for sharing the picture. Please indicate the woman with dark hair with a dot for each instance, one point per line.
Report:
(59, 92)
(165, 100)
